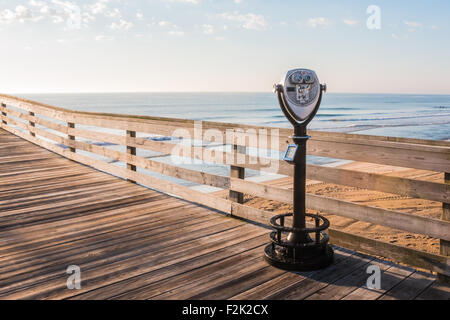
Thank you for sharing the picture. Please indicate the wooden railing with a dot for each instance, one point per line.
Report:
(58, 130)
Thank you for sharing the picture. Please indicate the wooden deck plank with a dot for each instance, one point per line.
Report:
(71, 229)
(34, 259)
(135, 243)
(152, 284)
(24, 220)
(109, 192)
(436, 291)
(123, 265)
(60, 186)
(323, 278)
(285, 281)
(44, 257)
(45, 274)
(342, 287)
(88, 214)
(390, 278)
(222, 284)
(19, 201)
(410, 288)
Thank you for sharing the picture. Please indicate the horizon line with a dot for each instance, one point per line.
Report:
(218, 92)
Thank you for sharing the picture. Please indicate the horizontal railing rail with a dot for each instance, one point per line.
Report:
(403, 186)
(58, 130)
(424, 154)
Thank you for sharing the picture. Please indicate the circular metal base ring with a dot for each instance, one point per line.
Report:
(320, 261)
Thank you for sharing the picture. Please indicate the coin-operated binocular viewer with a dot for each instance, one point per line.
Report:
(299, 247)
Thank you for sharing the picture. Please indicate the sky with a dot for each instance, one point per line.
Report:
(355, 46)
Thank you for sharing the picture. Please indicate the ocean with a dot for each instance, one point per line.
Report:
(400, 115)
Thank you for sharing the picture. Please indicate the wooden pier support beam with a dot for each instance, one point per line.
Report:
(32, 124)
(237, 172)
(131, 151)
(4, 113)
(71, 126)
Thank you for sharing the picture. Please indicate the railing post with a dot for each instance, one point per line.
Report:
(237, 172)
(4, 114)
(32, 123)
(131, 151)
(445, 245)
(71, 125)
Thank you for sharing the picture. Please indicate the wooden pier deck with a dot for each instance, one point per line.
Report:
(135, 243)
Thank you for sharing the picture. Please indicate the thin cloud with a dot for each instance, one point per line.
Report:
(104, 38)
(176, 33)
(98, 7)
(164, 23)
(413, 24)
(186, 1)
(19, 15)
(121, 25)
(172, 28)
(248, 21)
(56, 11)
(318, 22)
(351, 23)
(208, 29)
(114, 13)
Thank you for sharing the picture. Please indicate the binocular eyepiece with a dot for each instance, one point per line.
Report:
(300, 95)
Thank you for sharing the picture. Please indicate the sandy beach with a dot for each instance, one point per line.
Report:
(369, 198)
